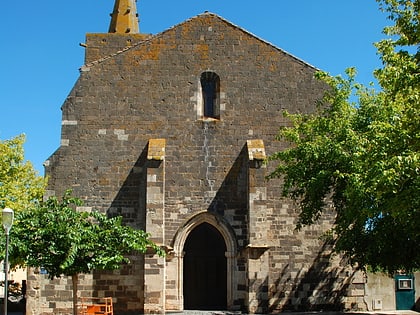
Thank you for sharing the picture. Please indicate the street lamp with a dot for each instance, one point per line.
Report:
(7, 218)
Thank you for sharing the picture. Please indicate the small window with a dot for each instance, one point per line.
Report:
(405, 284)
(210, 87)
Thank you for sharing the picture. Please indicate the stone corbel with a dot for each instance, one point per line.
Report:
(255, 251)
(156, 149)
(256, 153)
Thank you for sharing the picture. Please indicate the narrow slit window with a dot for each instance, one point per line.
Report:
(210, 86)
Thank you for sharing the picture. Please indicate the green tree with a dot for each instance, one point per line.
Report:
(64, 241)
(20, 185)
(360, 152)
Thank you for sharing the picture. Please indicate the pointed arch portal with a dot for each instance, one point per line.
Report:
(205, 269)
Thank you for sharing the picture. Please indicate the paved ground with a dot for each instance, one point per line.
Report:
(284, 313)
(405, 312)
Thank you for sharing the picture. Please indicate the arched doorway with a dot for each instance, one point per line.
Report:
(205, 269)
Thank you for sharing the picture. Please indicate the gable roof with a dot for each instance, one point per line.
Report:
(86, 66)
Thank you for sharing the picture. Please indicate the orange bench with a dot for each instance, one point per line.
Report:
(96, 306)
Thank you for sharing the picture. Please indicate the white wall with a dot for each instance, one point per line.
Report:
(14, 275)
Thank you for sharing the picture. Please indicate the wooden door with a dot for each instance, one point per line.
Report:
(205, 283)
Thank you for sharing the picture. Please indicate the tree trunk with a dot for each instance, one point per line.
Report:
(75, 280)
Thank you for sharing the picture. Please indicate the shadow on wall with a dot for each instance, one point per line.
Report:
(230, 195)
(229, 200)
(320, 288)
(130, 203)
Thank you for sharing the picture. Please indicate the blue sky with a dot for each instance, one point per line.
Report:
(40, 52)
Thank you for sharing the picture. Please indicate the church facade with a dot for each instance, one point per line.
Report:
(171, 131)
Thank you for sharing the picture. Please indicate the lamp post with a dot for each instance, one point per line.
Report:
(7, 218)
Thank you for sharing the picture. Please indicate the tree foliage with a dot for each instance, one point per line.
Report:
(20, 185)
(360, 152)
(57, 237)
(65, 241)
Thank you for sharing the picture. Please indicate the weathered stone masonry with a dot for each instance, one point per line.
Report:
(136, 142)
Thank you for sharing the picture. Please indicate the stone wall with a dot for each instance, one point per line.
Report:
(125, 101)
